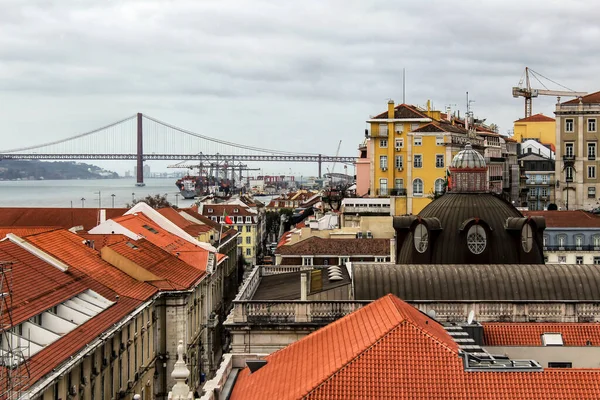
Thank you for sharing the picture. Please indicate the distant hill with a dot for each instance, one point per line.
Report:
(34, 170)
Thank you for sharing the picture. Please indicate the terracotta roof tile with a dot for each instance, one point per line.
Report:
(402, 111)
(178, 273)
(319, 246)
(536, 118)
(217, 210)
(25, 231)
(592, 98)
(84, 261)
(189, 227)
(190, 253)
(529, 334)
(63, 217)
(567, 218)
(101, 240)
(389, 350)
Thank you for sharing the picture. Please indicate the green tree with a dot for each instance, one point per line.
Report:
(157, 201)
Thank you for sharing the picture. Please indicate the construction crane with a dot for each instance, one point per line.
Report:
(525, 90)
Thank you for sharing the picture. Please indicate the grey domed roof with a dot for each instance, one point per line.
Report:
(447, 219)
(468, 158)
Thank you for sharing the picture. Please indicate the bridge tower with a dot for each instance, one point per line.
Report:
(140, 151)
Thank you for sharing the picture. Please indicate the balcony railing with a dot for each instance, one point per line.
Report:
(546, 182)
(390, 192)
(569, 157)
(572, 247)
(290, 312)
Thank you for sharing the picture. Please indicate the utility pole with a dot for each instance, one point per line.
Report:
(113, 200)
(82, 202)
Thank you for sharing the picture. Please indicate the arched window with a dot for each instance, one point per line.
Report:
(421, 237)
(476, 239)
(579, 241)
(596, 241)
(439, 186)
(418, 187)
(527, 238)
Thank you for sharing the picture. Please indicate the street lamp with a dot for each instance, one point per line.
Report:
(113, 200)
(82, 202)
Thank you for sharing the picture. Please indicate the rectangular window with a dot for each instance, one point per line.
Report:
(344, 260)
(418, 141)
(591, 192)
(569, 174)
(414, 126)
(399, 143)
(399, 183)
(562, 259)
(399, 162)
(591, 171)
(249, 252)
(240, 240)
(248, 228)
(383, 162)
(214, 218)
(439, 141)
(239, 220)
(383, 129)
(591, 124)
(544, 192)
(383, 143)
(399, 127)
(597, 260)
(248, 240)
(569, 125)
(591, 148)
(578, 260)
(307, 261)
(248, 220)
(380, 259)
(383, 187)
(418, 161)
(559, 364)
(569, 149)
(439, 161)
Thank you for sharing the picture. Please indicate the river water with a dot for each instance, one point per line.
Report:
(68, 193)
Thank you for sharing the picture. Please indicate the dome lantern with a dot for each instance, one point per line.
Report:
(468, 172)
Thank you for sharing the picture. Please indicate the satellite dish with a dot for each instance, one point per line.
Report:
(431, 314)
(471, 317)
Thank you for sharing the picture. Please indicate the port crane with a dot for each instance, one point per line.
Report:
(525, 90)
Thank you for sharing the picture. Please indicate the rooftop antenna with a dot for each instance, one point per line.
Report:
(471, 317)
(403, 85)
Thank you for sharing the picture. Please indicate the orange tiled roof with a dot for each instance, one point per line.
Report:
(178, 273)
(84, 261)
(529, 334)
(25, 231)
(592, 98)
(63, 217)
(217, 210)
(389, 350)
(189, 227)
(101, 240)
(536, 118)
(403, 111)
(188, 252)
(567, 218)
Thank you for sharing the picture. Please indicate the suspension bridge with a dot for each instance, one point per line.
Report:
(142, 138)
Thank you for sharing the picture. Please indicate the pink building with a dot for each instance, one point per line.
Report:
(363, 168)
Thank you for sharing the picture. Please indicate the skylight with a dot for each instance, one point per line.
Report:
(151, 229)
(31, 336)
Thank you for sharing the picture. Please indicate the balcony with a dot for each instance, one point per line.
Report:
(390, 192)
(572, 247)
(547, 182)
(591, 158)
(569, 157)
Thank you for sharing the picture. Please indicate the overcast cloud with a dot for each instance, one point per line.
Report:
(289, 75)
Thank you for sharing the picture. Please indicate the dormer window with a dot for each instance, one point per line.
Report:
(476, 239)
(236, 210)
(527, 238)
(209, 210)
(421, 238)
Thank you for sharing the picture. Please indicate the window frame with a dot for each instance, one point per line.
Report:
(400, 164)
(571, 122)
(527, 238)
(439, 141)
(420, 158)
(590, 122)
(435, 183)
(421, 245)
(591, 155)
(422, 184)
(308, 261)
(383, 162)
(383, 143)
(473, 243)
(591, 172)
(437, 158)
(419, 139)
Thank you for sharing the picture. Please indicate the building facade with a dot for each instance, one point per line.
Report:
(577, 166)
(540, 184)
(538, 127)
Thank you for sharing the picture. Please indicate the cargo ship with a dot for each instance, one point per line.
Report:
(195, 186)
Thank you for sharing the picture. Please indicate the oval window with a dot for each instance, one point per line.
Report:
(421, 238)
(527, 238)
(476, 239)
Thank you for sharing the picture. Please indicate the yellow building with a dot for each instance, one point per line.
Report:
(538, 127)
(411, 149)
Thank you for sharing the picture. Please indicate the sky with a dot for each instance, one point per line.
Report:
(286, 75)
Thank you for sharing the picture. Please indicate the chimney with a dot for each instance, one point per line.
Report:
(303, 286)
(391, 109)
(102, 216)
(393, 250)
